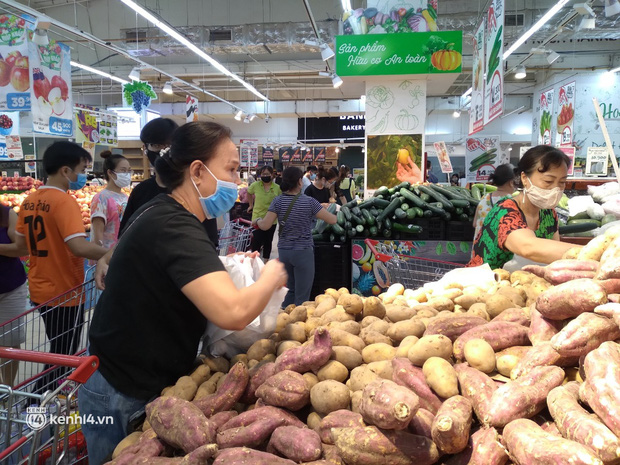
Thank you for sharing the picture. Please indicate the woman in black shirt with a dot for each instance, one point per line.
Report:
(320, 189)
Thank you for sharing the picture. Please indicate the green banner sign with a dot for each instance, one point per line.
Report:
(396, 54)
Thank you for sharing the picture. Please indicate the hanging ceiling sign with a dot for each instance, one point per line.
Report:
(331, 129)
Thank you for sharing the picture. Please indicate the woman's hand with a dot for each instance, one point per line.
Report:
(255, 222)
(274, 271)
(410, 172)
(100, 273)
(250, 209)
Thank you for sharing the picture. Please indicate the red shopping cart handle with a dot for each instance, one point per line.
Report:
(84, 366)
(379, 256)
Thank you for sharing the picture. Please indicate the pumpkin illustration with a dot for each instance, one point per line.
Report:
(406, 121)
(446, 60)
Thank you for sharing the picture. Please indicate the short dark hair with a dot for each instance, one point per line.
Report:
(265, 168)
(198, 140)
(312, 168)
(428, 164)
(158, 131)
(110, 162)
(290, 178)
(329, 173)
(542, 158)
(64, 153)
(503, 174)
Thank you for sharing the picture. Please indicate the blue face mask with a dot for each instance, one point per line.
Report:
(312, 177)
(221, 201)
(78, 183)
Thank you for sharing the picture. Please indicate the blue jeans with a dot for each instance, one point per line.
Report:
(98, 398)
(299, 265)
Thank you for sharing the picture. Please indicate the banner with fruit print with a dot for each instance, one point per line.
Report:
(50, 93)
(476, 110)
(494, 69)
(481, 157)
(86, 124)
(191, 109)
(391, 16)
(14, 64)
(546, 119)
(9, 125)
(14, 147)
(566, 113)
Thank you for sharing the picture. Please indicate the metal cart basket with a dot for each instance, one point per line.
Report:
(235, 236)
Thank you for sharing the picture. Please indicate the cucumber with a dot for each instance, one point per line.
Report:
(458, 211)
(387, 224)
(359, 228)
(412, 213)
(367, 203)
(407, 228)
(357, 220)
(381, 191)
(576, 228)
(340, 218)
(391, 190)
(356, 211)
(373, 231)
(400, 214)
(447, 205)
(394, 195)
(486, 188)
(342, 238)
(425, 197)
(610, 218)
(418, 212)
(463, 203)
(347, 225)
(386, 233)
(352, 232)
(475, 192)
(389, 210)
(368, 218)
(580, 216)
(380, 203)
(403, 185)
(427, 214)
(596, 223)
(464, 217)
(351, 204)
(318, 237)
(337, 229)
(404, 206)
(434, 209)
(346, 212)
(412, 198)
(415, 189)
(374, 212)
(332, 238)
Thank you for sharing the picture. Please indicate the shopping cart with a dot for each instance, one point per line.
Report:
(411, 272)
(44, 428)
(235, 236)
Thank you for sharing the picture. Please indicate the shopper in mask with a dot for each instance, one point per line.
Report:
(320, 189)
(504, 179)
(346, 185)
(108, 205)
(164, 283)
(260, 195)
(526, 224)
(50, 229)
(308, 177)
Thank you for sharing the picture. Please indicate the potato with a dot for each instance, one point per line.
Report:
(352, 327)
(480, 355)
(352, 303)
(299, 313)
(405, 345)
(508, 358)
(325, 304)
(356, 401)
(467, 300)
(281, 321)
(441, 377)
(497, 303)
(269, 358)
(329, 396)
(368, 320)
(378, 352)
(518, 296)
(294, 332)
(382, 368)
(479, 309)
(243, 358)
(380, 326)
(333, 370)
(373, 307)
(522, 277)
(289, 308)
(396, 313)
(374, 337)
(342, 338)
(253, 363)
(312, 323)
(360, 377)
(501, 274)
(201, 374)
(285, 345)
(436, 345)
(217, 364)
(451, 293)
(314, 421)
(402, 329)
(333, 293)
(441, 303)
(348, 356)
(311, 379)
(336, 314)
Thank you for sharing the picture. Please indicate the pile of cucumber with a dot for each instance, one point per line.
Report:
(392, 213)
(581, 225)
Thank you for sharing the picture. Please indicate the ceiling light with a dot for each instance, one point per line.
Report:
(587, 23)
(552, 57)
(363, 99)
(584, 9)
(520, 73)
(467, 93)
(40, 37)
(238, 115)
(185, 41)
(98, 72)
(456, 114)
(167, 88)
(336, 81)
(337, 149)
(246, 120)
(615, 70)
(325, 74)
(326, 52)
(135, 74)
(540, 23)
(252, 117)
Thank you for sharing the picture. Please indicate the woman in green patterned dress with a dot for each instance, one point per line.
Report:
(526, 224)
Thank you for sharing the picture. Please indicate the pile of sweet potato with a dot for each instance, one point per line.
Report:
(525, 371)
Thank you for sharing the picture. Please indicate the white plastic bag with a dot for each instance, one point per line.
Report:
(244, 272)
(579, 204)
(518, 262)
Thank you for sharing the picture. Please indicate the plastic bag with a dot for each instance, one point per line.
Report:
(244, 272)
(579, 204)
(595, 211)
(518, 262)
(598, 193)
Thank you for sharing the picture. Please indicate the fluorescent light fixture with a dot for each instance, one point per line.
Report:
(252, 117)
(467, 92)
(520, 73)
(456, 114)
(40, 37)
(336, 81)
(587, 23)
(326, 52)
(182, 39)
(98, 72)
(522, 131)
(540, 23)
(167, 88)
(238, 115)
(134, 75)
(615, 70)
(346, 5)
(552, 57)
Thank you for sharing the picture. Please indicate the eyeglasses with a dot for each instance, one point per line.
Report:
(155, 147)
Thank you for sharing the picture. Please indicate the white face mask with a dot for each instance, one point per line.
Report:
(545, 199)
(122, 179)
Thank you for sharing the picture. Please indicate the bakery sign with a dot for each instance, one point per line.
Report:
(331, 129)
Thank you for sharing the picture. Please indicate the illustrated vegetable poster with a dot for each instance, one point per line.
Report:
(494, 69)
(481, 157)
(248, 153)
(391, 16)
(444, 158)
(476, 111)
(9, 125)
(14, 64)
(50, 93)
(566, 113)
(546, 118)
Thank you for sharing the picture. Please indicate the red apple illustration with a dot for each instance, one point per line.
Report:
(59, 82)
(5, 73)
(20, 78)
(11, 57)
(40, 84)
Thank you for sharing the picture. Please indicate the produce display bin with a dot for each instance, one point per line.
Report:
(459, 231)
(332, 266)
(433, 229)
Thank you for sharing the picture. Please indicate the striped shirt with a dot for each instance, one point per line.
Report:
(297, 233)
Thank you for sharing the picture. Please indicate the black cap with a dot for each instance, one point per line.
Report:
(158, 131)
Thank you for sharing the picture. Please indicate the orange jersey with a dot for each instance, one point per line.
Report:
(49, 218)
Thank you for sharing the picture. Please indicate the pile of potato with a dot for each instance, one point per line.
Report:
(523, 371)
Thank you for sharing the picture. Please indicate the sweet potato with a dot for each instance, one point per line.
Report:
(524, 397)
(515, 315)
(561, 271)
(499, 334)
(436, 345)
(441, 377)
(609, 310)
(610, 264)
(477, 387)
(258, 375)
(450, 429)
(486, 448)
(577, 424)
(571, 299)
(228, 394)
(388, 405)
(338, 419)
(453, 326)
(309, 357)
(220, 419)
(252, 435)
(406, 374)
(529, 444)
(329, 396)
(594, 249)
(602, 370)
(584, 334)
(331, 455)
(541, 328)
(297, 444)
(371, 446)
(287, 389)
(571, 253)
(422, 423)
(179, 423)
(480, 355)
(541, 355)
(245, 456)
(251, 416)
(199, 456)
(129, 441)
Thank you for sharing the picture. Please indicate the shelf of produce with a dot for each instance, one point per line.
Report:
(575, 240)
